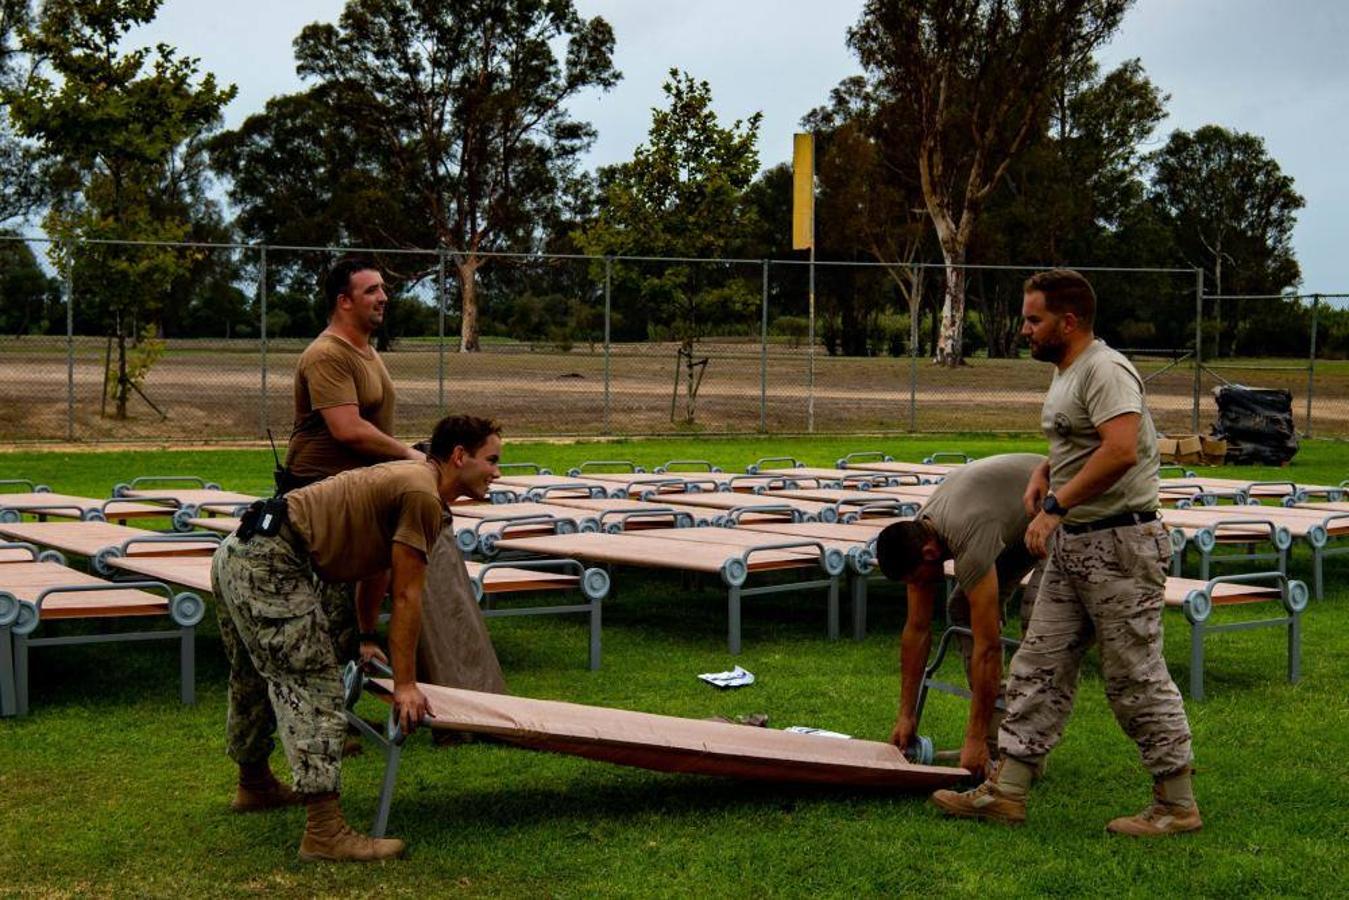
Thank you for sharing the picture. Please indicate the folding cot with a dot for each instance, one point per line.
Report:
(201, 496)
(45, 504)
(36, 589)
(615, 515)
(1316, 528)
(798, 474)
(646, 740)
(479, 526)
(100, 542)
(853, 504)
(502, 579)
(730, 505)
(732, 562)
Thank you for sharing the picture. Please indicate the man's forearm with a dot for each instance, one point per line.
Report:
(370, 442)
(914, 646)
(369, 596)
(404, 628)
(1103, 469)
(985, 677)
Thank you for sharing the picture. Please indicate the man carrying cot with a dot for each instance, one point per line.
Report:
(285, 674)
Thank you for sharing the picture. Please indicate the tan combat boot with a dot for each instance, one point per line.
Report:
(1001, 798)
(1173, 810)
(259, 790)
(327, 836)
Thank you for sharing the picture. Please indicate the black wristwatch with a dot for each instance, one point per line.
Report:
(1052, 506)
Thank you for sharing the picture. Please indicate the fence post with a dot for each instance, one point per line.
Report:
(608, 297)
(1198, 347)
(440, 335)
(810, 378)
(262, 334)
(70, 343)
(1311, 364)
(913, 362)
(763, 355)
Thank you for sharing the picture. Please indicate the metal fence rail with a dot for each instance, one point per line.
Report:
(618, 367)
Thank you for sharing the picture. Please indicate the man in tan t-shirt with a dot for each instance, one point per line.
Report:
(975, 517)
(285, 675)
(1095, 507)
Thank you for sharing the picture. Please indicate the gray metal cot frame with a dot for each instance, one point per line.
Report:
(1198, 608)
(185, 511)
(593, 583)
(390, 740)
(100, 513)
(1318, 539)
(20, 618)
(471, 538)
(735, 572)
(1209, 538)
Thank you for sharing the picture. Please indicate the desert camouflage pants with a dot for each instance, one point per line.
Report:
(284, 674)
(1109, 584)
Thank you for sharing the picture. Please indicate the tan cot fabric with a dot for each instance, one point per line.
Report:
(331, 372)
(351, 521)
(454, 649)
(688, 746)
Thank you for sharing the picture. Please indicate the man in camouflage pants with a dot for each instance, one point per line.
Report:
(284, 671)
(1107, 554)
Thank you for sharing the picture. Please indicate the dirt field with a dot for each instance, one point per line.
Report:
(213, 391)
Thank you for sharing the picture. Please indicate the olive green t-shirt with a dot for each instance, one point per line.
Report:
(351, 521)
(332, 372)
(978, 512)
(1099, 385)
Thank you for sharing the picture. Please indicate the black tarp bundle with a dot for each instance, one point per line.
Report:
(1257, 424)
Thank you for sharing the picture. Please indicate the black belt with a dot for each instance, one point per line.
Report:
(1116, 521)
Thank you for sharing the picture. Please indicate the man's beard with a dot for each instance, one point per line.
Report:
(1049, 351)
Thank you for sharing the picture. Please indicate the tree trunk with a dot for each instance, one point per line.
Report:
(468, 293)
(689, 398)
(953, 308)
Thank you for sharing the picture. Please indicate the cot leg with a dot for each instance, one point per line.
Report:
(1283, 562)
(6, 673)
(1294, 647)
(1197, 661)
(833, 608)
(1177, 561)
(733, 620)
(859, 606)
(594, 634)
(1204, 559)
(20, 675)
(1316, 572)
(393, 753)
(187, 665)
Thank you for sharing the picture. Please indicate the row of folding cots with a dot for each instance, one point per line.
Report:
(854, 476)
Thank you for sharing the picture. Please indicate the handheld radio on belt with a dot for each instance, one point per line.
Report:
(265, 517)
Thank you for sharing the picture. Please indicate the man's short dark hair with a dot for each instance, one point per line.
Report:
(1065, 291)
(338, 279)
(469, 432)
(899, 549)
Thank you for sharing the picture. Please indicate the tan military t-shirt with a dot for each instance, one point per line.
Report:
(978, 512)
(351, 521)
(332, 372)
(1099, 385)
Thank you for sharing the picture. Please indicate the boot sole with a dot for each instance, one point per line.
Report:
(314, 857)
(1153, 834)
(963, 813)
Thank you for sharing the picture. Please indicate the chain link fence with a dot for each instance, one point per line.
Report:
(189, 343)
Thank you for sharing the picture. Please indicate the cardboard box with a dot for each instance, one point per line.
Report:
(1191, 450)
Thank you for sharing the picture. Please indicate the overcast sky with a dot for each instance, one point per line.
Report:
(1276, 69)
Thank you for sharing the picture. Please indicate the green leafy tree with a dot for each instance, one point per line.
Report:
(18, 165)
(1231, 210)
(32, 299)
(972, 79)
(440, 123)
(683, 193)
(122, 134)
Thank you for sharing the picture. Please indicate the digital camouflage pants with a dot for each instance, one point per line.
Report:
(1108, 584)
(283, 650)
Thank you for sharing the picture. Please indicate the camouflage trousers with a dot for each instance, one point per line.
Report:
(1107, 584)
(283, 656)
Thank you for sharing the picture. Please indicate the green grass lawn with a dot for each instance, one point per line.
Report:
(110, 787)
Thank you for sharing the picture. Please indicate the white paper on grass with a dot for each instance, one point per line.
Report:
(735, 678)
(818, 732)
